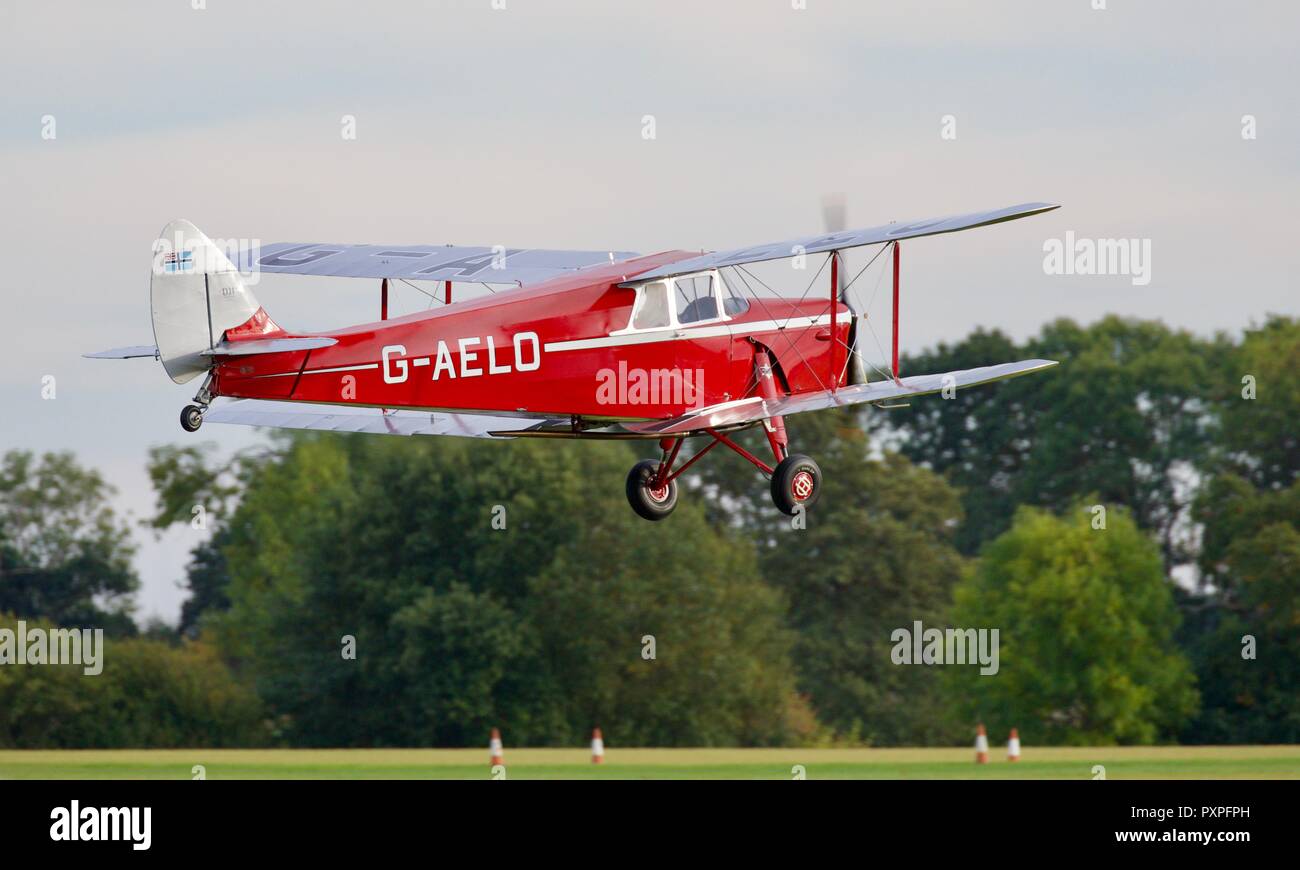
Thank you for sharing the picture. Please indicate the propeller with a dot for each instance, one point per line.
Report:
(834, 212)
(835, 219)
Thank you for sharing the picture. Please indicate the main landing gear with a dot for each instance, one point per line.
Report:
(192, 415)
(650, 498)
(652, 485)
(796, 479)
(796, 482)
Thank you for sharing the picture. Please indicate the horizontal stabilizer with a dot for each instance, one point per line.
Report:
(350, 418)
(267, 345)
(133, 352)
(754, 409)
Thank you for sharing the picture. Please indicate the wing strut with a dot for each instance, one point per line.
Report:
(895, 310)
(835, 298)
(383, 299)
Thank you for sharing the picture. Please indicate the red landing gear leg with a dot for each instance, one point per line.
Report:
(671, 447)
(796, 479)
(651, 485)
(774, 427)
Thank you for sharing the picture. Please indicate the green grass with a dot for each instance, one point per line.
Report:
(1164, 762)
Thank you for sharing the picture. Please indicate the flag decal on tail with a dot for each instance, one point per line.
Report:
(178, 262)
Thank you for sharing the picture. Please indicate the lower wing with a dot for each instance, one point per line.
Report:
(348, 418)
(729, 415)
(756, 408)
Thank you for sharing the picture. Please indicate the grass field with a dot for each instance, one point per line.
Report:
(1165, 762)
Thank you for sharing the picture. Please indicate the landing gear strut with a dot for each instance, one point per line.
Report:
(796, 479)
(192, 415)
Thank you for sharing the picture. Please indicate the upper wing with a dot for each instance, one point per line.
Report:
(756, 408)
(502, 265)
(420, 262)
(349, 418)
(847, 239)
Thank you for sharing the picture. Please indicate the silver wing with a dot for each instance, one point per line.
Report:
(729, 415)
(524, 266)
(420, 262)
(348, 418)
(846, 239)
(754, 409)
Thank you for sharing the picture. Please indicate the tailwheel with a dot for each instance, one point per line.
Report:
(191, 418)
(796, 482)
(651, 502)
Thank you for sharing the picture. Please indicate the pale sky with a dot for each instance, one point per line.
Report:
(523, 126)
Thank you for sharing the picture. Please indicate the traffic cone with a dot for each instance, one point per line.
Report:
(981, 746)
(1013, 746)
(597, 747)
(498, 757)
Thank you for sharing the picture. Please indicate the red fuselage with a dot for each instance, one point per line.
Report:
(563, 347)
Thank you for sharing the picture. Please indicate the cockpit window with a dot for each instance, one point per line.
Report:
(695, 299)
(732, 302)
(653, 310)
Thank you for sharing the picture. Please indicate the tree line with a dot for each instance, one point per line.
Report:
(1129, 522)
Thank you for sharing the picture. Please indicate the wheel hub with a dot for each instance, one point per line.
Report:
(802, 486)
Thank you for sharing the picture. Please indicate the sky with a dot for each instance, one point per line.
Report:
(526, 126)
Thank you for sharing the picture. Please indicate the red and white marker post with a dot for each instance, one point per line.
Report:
(494, 744)
(981, 746)
(1013, 746)
(597, 747)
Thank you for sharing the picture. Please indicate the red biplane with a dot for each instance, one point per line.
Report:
(586, 344)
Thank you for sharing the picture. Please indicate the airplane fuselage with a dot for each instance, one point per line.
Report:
(564, 347)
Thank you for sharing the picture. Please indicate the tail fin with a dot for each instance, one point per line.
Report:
(196, 295)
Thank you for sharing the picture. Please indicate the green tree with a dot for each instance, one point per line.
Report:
(874, 555)
(1260, 434)
(192, 475)
(689, 596)
(1241, 620)
(1086, 623)
(149, 693)
(1127, 415)
(1242, 624)
(460, 625)
(189, 476)
(65, 556)
(206, 578)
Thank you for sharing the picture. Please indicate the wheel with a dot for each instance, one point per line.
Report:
(796, 481)
(191, 418)
(653, 504)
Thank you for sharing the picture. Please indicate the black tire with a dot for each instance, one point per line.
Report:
(191, 418)
(796, 481)
(646, 503)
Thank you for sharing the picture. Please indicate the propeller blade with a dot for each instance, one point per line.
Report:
(834, 220)
(834, 212)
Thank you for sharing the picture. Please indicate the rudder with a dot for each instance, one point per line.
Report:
(196, 294)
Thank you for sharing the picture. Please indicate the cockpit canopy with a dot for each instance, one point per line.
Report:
(686, 300)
